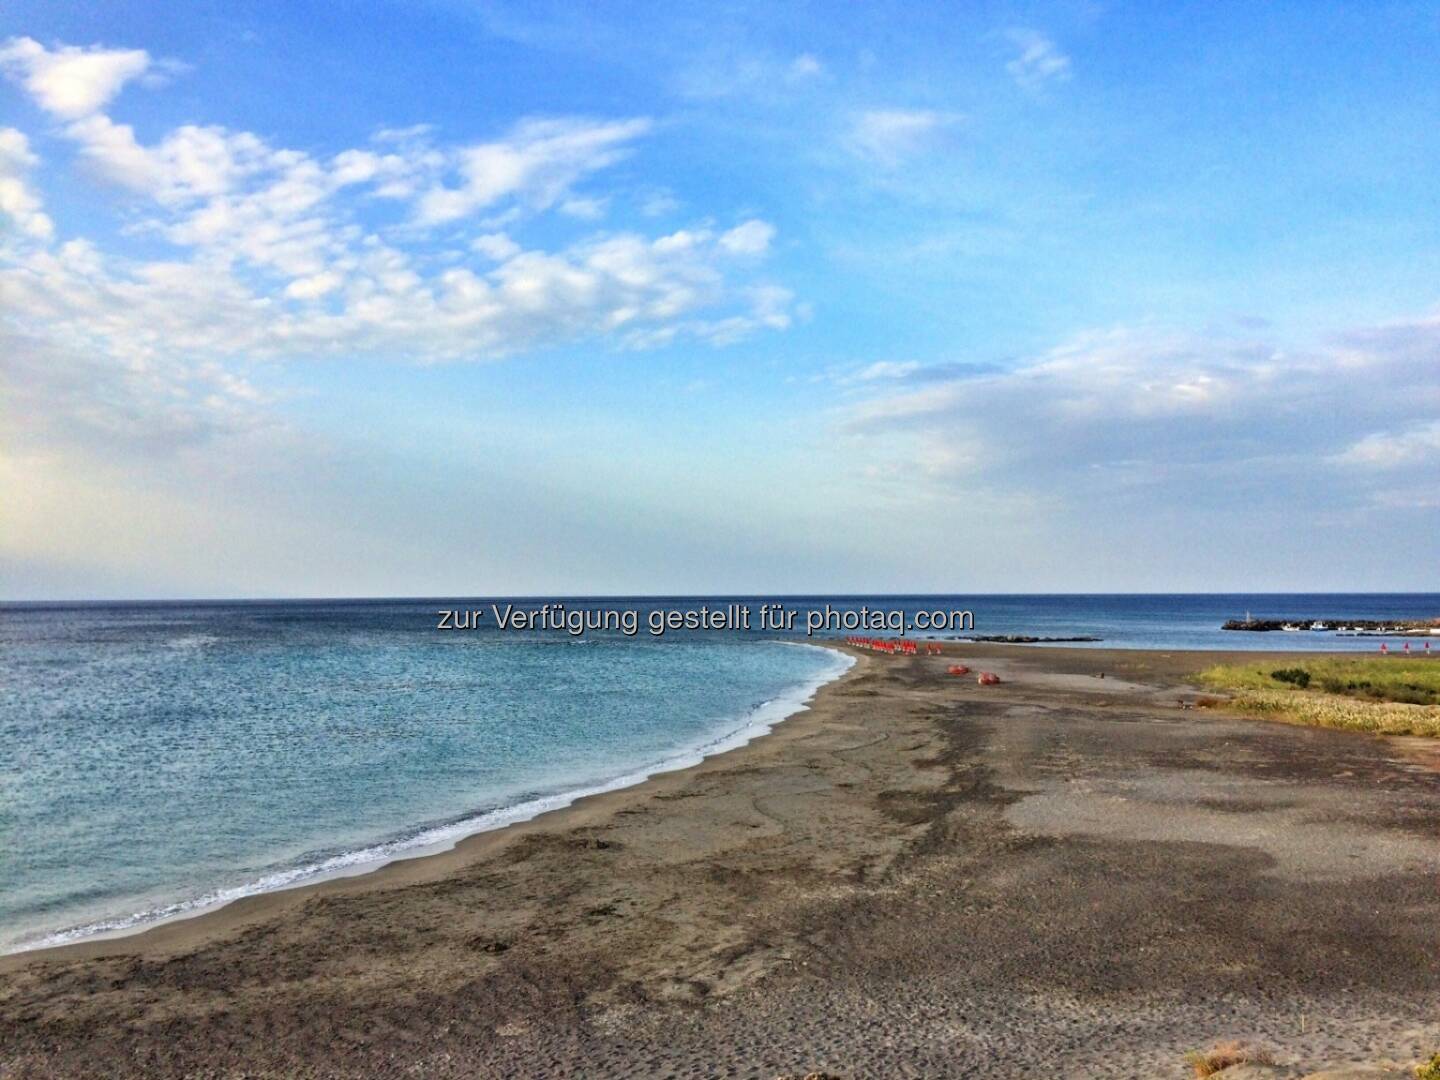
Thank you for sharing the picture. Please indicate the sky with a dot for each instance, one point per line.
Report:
(450, 298)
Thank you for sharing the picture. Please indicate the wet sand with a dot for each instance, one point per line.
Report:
(1059, 876)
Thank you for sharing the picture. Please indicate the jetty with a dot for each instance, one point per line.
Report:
(1416, 627)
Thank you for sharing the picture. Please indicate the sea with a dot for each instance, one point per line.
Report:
(159, 759)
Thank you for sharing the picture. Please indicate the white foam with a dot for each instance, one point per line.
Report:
(191, 642)
(759, 721)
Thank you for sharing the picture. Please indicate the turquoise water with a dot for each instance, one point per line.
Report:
(156, 760)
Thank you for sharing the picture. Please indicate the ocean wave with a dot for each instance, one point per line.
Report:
(190, 642)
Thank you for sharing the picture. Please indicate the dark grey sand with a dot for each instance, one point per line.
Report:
(1062, 876)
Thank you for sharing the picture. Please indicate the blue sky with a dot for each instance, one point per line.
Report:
(461, 298)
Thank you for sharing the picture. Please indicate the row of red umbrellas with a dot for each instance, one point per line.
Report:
(905, 647)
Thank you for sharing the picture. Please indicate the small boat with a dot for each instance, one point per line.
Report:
(1289, 626)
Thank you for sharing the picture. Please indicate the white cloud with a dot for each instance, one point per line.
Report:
(1414, 446)
(233, 193)
(17, 201)
(756, 77)
(148, 351)
(585, 207)
(188, 164)
(1126, 410)
(805, 66)
(277, 254)
(912, 371)
(314, 286)
(67, 81)
(1038, 61)
(888, 369)
(536, 164)
(382, 303)
(496, 246)
(659, 204)
(749, 238)
(889, 136)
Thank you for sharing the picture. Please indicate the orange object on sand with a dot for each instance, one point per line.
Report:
(988, 678)
(959, 669)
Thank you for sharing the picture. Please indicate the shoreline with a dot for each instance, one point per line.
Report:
(105, 942)
(494, 823)
(914, 876)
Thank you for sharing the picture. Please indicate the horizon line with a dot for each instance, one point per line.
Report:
(481, 597)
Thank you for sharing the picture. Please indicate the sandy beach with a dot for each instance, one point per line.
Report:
(1064, 875)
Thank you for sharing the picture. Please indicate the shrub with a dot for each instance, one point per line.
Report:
(1296, 676)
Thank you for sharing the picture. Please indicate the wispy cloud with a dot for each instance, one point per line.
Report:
(537, 164)
(889, 136)
(748, 238)
(805, 66)
(1408, 448)
(1038, 61)
(753, 76)
(888, 369)
(913, 371)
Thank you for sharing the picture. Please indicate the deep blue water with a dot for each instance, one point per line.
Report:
(158, 758)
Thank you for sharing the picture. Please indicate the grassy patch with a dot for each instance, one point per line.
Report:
(1386, 695)
(1414, 681)
(1430, 1070)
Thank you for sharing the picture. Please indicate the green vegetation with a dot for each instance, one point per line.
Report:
(1296, 676)
(1387, 695)
(1430, 1070)
(1415, 681)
